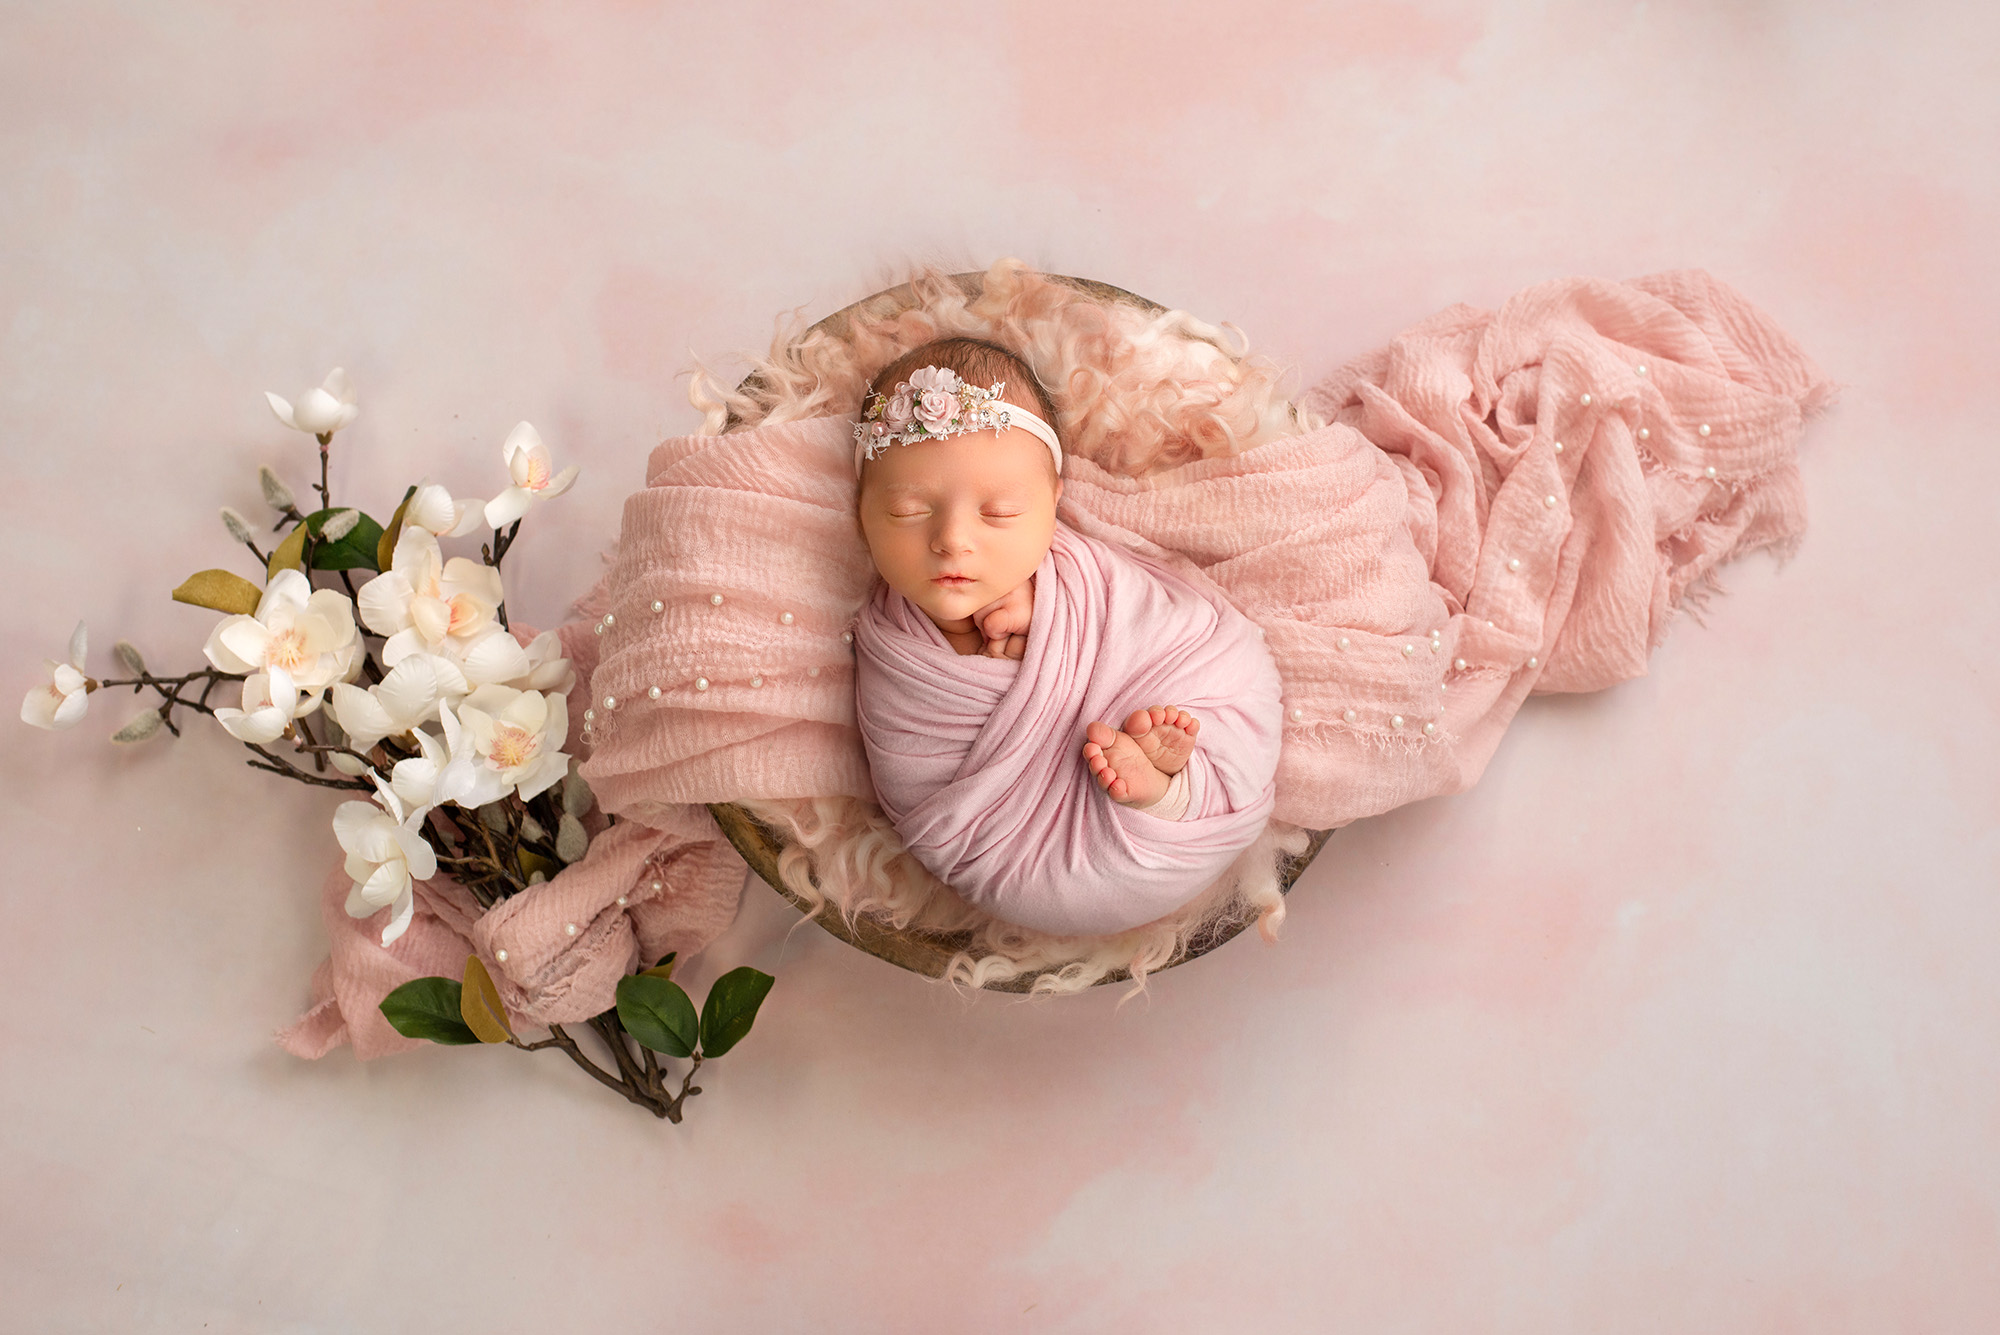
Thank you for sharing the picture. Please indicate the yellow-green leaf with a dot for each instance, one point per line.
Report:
(479, 1004)
(288, 555)
(221, 590)
(386, 547)
(532, 862)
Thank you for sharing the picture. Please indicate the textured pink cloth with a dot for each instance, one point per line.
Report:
(978, 761)
(1350, 545)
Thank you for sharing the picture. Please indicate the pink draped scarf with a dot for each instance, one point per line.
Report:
(1505, 502)
(978, 761)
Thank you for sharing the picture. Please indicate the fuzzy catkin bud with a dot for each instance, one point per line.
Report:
(140, 728)
(238, 528)
(576, 794)
(128, 654)
(276, 494)
(532, 828)
(339, 524)
(572, 840)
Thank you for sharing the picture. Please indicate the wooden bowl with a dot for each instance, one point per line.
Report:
(928, 953)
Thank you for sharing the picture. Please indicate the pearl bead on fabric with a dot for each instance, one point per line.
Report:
(1298, 714)
(1702, 429)
(659, 606)
(715, 600)
(786, 619)
(1409, 649)
(1645, 434)
(1513, 563)
(609, 619)
(1708, 471)
(1396, 721)
(621, 901)
(1458, 663)
(1585, 400)
(1430, 729)
(500, 955)
(1350, 716)
(589, 714)
(1342, 641)
(1640, 368)
(756, 681)
(569, 929)
(701, 683)
(611, 702)
(1559, 447)
(1549, 501)
(812, 672)
(1534, 662)
(656, 887)
(847, 637)
(652, 692)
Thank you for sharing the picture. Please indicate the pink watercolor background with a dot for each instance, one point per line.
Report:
(1684, 1019)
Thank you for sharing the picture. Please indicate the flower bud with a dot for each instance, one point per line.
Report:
(128, 654)
(140, 728)
(572, 841)
(276, 494)
(576, 795)
(339, 524)
(493, 818)
(238, 529)
(532, 828)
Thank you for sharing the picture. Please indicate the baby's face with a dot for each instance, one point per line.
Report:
(974, 505)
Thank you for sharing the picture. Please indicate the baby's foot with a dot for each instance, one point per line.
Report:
(1166, 734)
(1121, 768)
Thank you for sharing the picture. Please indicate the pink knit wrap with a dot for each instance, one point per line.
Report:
(978, 761)
(1503, 502)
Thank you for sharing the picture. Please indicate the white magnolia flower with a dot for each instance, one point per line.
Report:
(426, 604)
(60, 701)
(529, 467)
(308, 633)
(407, 695)
(415, 779)
(321, 411)
(385, 852)
(431, 508)
(503, 740)
(270, 703)
(548, 671)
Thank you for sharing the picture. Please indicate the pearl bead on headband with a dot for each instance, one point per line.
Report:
(934, 404)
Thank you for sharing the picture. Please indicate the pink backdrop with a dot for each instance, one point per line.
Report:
(1683, 1019)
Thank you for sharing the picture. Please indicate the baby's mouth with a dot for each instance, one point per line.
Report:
(953, 581)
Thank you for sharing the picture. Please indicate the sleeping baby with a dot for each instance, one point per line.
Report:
(999, 645)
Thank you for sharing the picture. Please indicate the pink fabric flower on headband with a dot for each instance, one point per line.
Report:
(937, 401)
(898, 411)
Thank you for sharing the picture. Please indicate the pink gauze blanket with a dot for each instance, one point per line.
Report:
(1503, 502)
(978, 761)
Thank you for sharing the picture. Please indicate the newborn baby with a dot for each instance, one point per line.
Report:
(959, 472)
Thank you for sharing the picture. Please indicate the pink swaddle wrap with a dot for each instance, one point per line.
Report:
(979, 761)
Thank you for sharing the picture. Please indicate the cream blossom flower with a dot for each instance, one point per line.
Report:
(408, 694)
(270, 702)
(415, 778)
(60, 701)
(503, 740)
(386, 852)
(431, 508)
(426, 604)
(548, 671)
(322, 411)
(308, 633)
(529, 467)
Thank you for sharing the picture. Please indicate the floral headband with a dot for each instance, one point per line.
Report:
(934, 404)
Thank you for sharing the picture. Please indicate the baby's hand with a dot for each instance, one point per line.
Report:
(1004, 622)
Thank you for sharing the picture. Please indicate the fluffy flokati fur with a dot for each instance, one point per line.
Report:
(1137, 391)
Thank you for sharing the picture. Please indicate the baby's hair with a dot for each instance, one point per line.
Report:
(977, 362)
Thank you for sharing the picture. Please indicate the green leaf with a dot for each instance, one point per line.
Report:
(354, 551)
(664, 969)
(385, 546)
(287, 555)
(220, 590)
(731, 1008)
(428, 1008)
(479, 1004)
(657, 1013)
